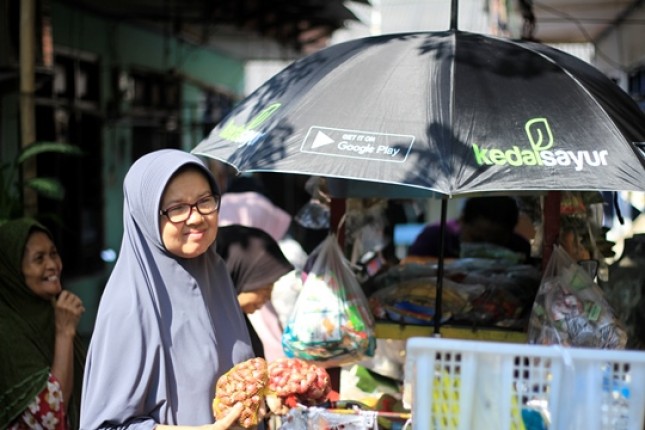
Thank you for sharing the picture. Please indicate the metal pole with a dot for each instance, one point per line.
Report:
(439, 290)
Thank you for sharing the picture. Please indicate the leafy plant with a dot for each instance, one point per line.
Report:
(12, 185)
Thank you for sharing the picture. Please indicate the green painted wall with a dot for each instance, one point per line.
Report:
(123, 46)
(120, 46)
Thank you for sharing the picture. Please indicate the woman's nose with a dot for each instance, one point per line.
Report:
(194, 217)
(51, 262)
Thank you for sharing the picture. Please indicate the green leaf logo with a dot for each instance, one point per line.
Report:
(260, 118)
(246, 133)
(539, 134)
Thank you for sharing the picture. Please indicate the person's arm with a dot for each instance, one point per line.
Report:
(68, 310)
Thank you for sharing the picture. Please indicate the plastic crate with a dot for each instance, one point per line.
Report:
(470, 385)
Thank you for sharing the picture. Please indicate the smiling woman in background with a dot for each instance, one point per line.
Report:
(41, 358)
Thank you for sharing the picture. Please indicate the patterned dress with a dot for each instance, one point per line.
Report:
(46, 411)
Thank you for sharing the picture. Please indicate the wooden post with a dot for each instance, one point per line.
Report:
(337, 211)
(551, 225)
(27, 89)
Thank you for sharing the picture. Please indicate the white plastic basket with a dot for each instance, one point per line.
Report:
(470, 385)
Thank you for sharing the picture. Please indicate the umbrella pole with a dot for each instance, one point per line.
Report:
(439, 290)
(454, 11)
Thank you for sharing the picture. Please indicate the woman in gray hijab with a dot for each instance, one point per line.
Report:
(168, 324)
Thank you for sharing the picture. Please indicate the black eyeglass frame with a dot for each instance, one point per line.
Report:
(218, 201)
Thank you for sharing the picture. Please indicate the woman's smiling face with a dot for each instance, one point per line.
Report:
(190, 238)
(42, 266)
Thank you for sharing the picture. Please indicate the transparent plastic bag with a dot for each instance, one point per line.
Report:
(570, 309)
(320, 418)
(331, 323)
(315, 214)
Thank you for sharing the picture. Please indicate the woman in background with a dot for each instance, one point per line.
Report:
(255, 262)
(41, 358)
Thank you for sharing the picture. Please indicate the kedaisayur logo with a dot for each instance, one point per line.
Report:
(246, 133)
(541, 152)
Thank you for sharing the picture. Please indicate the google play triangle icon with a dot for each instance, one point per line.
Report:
(321, 139)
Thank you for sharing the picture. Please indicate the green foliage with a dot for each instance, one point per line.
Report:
(12, 186)
(47, 187)
(48, 147)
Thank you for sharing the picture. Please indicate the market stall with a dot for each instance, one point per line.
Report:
(440, 115)
(603, 389)
(360, 414)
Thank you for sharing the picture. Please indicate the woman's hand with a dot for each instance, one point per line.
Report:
(230, 419)
(68, 309)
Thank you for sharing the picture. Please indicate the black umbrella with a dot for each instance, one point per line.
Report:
(447, 113)
(450, 112)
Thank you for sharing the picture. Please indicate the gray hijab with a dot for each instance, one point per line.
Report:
(167, 328)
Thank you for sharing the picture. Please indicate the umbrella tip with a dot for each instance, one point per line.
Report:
(454, 12)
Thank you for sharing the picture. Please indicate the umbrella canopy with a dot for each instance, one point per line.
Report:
(448, 113)
(438, 114)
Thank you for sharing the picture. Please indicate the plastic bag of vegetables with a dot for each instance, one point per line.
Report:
(245, 383)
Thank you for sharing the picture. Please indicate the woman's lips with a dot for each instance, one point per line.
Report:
(196, 234)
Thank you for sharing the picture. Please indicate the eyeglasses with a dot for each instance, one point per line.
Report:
(180, 213)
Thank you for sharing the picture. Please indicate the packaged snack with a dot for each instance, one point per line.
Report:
(570, 309)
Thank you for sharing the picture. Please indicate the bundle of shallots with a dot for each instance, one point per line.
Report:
(245, 383)
(294, 381)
